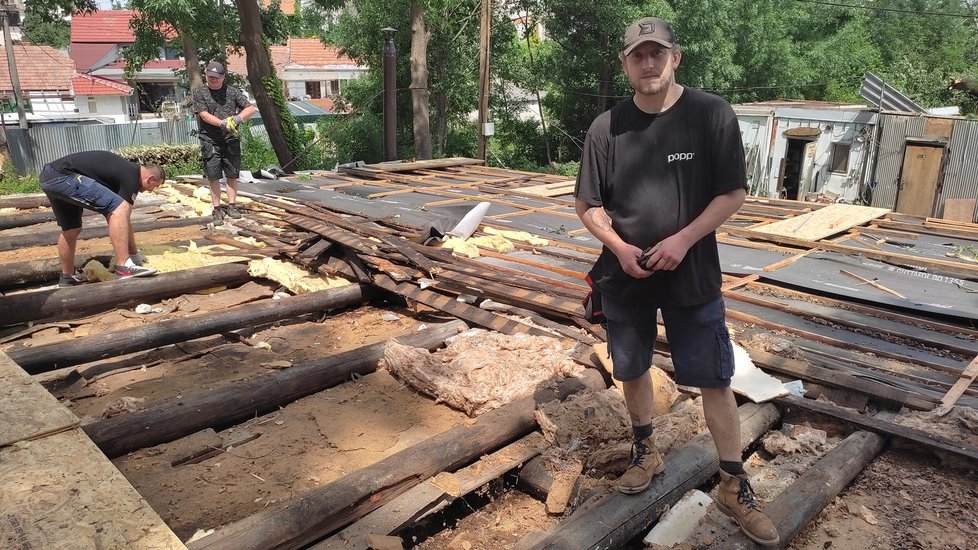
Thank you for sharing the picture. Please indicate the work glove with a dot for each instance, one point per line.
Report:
(230, 126)
(237, 119)
(138, 258)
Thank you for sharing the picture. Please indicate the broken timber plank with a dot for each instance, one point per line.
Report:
(617, 518)
(89, 348)
(433, 495)
(176, 417)
(957, 390)
(825, 222)
(85, 299)
(312, 515)
(928, 440)
(461, 310)
(839, 379)
(804, 499)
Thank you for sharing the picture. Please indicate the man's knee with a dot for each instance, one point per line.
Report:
(124, 209)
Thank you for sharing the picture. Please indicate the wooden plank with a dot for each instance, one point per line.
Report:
(550, 189)
(27, 410)
(828, 221)
(822, 375)
(405, 166)
(957, 390)
(61, 493)
(309, 516)
(929, 440)
(434, 494)
(960, 210)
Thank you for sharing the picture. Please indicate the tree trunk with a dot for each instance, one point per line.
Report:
(86, 299)
(50, 357)
(259, 68)
(50, 236)
(965, 84)
(419, 83)
(176, 417)
(192, 62)
(311, 515)
(441, 112)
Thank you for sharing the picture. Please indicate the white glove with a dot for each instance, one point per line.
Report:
(138, 258)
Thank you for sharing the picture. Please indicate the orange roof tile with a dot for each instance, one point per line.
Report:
(85, 84)
(237, 62)
(39, 68)
(310, 52)
(287, 6)
(103, 26)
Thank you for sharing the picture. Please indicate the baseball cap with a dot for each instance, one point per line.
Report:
(214, 69)
(648, 29)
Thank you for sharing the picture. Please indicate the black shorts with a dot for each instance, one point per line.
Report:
(698, 340)
(70, 193)
(221, 159)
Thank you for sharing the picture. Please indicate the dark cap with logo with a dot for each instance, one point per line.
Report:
(214, 69)
(648, 29)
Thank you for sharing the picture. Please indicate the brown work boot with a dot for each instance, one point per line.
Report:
(646, 462)
(735, 498)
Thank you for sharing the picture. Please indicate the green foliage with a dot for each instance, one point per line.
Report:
(43, 32)
(175, 159)
(12, 183)
(256, 151)
(356, 137)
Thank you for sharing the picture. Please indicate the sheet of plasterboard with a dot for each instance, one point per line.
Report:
(27, 410)
(822, 223)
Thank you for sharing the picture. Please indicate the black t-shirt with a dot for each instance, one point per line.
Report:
(109, 169)
(222, 103)
(654, 174)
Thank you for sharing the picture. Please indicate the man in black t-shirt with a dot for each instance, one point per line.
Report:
(105, 183)
(221, 109)
(659, 173)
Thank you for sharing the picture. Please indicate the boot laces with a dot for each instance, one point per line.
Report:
(639, 451)
(745, 495)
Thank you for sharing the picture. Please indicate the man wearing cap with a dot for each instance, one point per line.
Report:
(660, 172)
(221, 109)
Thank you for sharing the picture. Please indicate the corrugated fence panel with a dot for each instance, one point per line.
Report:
(31, 149)
(961, 171)
(896, 130)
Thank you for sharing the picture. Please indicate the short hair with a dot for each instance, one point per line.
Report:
(156, 171)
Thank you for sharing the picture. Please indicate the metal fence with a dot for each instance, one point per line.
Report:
(31, 149)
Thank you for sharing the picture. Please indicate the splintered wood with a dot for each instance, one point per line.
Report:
(480, 371)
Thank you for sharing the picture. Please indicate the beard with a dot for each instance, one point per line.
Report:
(647, 88)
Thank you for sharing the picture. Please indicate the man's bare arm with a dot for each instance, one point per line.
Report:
(597, 221)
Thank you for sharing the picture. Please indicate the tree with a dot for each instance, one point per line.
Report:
(265, 86)
(44, 32)
(420, 36)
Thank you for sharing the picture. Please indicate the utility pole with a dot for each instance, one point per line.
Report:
(483, 79)
(11, 63)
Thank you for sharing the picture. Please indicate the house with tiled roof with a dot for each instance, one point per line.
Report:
(102, 98)
(308, 68)
(98, 42)
(45, 76)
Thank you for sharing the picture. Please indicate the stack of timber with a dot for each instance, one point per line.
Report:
(828, 294)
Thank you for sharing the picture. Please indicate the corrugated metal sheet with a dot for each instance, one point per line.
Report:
(893, 136)
(882, 95)
(31, 149)
(961, 170)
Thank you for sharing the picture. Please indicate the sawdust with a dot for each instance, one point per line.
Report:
(479, 371)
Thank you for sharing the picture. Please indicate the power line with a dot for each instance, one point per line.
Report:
(880, 8)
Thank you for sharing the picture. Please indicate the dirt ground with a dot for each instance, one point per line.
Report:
(904, 499)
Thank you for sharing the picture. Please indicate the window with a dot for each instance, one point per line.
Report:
(840, 158)
(312, 90)
(92, 105)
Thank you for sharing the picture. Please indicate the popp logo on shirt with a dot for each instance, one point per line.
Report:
(679, 156)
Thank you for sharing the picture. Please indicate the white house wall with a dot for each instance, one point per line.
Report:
(755, 132)
(106, 106)
(854, 128)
